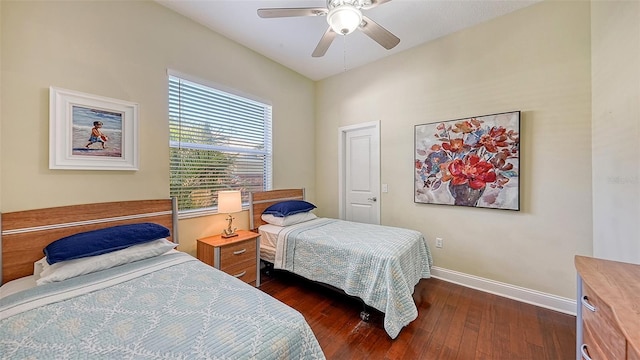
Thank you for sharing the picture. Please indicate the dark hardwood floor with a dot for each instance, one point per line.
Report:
(454, 322)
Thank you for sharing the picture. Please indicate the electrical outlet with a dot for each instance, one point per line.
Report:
(439, 242)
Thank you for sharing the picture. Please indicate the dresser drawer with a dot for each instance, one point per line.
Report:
(631, 353)
(591, 344)
(600, 328)
(239, 252)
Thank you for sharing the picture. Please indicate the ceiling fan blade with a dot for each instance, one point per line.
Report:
(291, 12)
(375, 3)
(379, 34)
(324, 43)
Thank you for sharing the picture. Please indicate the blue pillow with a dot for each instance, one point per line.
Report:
(289, 207)
(102, 241)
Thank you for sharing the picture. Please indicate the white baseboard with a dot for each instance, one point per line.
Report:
(549, 301)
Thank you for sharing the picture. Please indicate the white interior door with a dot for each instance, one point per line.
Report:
(360, 173)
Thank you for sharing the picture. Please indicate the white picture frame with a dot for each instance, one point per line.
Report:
(90, 132)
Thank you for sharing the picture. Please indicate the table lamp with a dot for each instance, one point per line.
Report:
(229, 202)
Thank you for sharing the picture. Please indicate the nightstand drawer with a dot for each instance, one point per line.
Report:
(245, 271)
(238, 252)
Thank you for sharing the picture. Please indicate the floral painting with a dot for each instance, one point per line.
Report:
(469, 162)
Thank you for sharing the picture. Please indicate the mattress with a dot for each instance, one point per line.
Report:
(17, 285)
(171, 306)
(268, 253)
(269, 234)
(268, 241)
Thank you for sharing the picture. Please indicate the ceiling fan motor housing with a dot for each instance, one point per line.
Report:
(344, 15)
(355, 3)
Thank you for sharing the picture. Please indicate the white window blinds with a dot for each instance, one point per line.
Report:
(218, 141)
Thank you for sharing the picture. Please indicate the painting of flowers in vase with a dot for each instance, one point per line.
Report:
(469, 162)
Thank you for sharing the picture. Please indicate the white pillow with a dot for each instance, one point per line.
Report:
(39, 266)
(288, 220)
(71, 268)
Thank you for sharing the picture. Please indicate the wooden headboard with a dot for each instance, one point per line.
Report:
(26, 233)
(258, 201)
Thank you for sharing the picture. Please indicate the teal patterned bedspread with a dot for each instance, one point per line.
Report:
(379, 264)
(167, 307)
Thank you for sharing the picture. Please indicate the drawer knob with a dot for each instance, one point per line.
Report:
(585, 302)
(584, 352)
(239, 252)
(241, 274)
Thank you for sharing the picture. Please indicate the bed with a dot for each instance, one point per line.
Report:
(378, 264)
(168, 306)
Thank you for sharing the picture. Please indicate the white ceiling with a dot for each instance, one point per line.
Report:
(290, 41)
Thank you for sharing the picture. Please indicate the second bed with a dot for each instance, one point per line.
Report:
(378, 264)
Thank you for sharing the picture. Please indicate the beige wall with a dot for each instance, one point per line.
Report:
(615, 73)
(122, 50)
(536, 60)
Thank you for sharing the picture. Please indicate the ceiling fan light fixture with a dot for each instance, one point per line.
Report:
(344, 19)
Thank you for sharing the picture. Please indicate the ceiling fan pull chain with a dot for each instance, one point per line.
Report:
(344, 52)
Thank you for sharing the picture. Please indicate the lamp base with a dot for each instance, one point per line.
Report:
(229, 231)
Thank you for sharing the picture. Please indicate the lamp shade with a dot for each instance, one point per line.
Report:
(344, 19)
(229, 201)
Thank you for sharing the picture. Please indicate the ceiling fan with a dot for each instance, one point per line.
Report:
(343, 16)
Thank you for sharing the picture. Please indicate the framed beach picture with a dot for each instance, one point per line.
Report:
(469, 162)
(89, 132)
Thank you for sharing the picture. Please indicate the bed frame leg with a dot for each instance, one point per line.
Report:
(268, 267)
(365, 315)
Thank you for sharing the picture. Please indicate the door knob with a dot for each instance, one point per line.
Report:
(374, 199)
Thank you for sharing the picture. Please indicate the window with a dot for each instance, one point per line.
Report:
(218, 141)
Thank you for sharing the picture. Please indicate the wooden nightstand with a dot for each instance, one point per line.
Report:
(238, 256)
